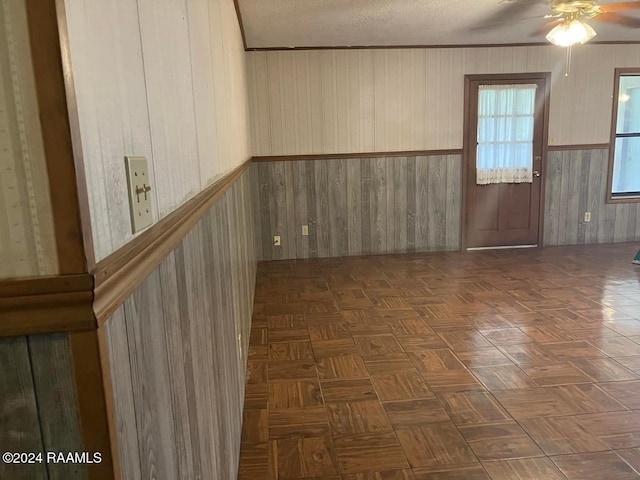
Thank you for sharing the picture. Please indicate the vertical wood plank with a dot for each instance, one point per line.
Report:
(400, 212)
(255, 193)
(366, 171)
(322, 208)
(125, 414)
(300, 207)
(168, 273)
(18, 413)
(552, 198)
(57, 401)
(378, 206)
(453, 202)
(573, 198)
(265, 210)
(582, 192)
(354, 207)
(564, 196)
(437, 202)
(422, 204)
(607, 215)
(337, 177)
(150, 379)
(277, 207)
(412, 212)
(390, 185)
(293, 230)
(197, 284)
(312, 207)
(595, 200)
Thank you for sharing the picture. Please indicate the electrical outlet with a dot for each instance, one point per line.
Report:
(587, 216)
(276, 240)
(139, 185)
(305, 230)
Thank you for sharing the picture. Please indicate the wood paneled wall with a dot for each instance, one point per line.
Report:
(577, 183)
(357, 206)
(27, 241)
(178, 350)
(343, 101)
(38, 367)
(163, 79)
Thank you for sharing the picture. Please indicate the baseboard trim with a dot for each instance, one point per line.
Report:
(121, 273)
(54, 304)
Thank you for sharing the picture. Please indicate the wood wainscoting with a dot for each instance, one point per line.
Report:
(178, 348)
(577, 183)
(357, 206)
(90, 344)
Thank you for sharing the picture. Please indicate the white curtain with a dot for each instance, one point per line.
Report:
(505, 134)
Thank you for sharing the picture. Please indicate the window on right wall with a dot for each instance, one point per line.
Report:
(624, 156)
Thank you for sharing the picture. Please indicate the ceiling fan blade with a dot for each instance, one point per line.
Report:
(618, 19)
(486, 26)
(620, 7)
(543, 30)
(510, 10)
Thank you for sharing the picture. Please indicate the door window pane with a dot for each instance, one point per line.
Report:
(506, 115)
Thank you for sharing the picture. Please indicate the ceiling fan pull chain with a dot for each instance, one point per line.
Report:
(567, 68)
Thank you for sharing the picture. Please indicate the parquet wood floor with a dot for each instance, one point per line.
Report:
(521, 364)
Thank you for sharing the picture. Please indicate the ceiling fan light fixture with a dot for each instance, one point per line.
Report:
(570, 32)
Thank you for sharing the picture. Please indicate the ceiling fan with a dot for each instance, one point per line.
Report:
(568, 25)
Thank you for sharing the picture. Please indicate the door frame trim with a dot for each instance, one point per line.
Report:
(546, 76)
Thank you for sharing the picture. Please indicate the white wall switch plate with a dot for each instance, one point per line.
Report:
(587, 216)
(276, 240)
(139, 185)
(305, 230)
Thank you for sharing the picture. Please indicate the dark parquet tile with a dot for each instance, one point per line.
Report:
(594, 466)
(366, 416)
(503, 377)
(401, 386)
(369, 452)
(408, 413)
(470, 472)
(627, 393)
(435, 444)
(404, 474)
(561, 435)
(524, 469)
(560, 374)
(500, 441)
(632, 457)
(449, 366)
(348, 390)
(294, 370)
(604, 369)
(302, 457)
(296, 394)
(341, 366)
(473, 407)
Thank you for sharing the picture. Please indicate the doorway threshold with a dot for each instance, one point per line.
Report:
(502, 247)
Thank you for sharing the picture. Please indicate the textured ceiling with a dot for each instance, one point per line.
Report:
(318, 23)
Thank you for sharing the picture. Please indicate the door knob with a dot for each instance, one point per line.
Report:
(536, 173)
